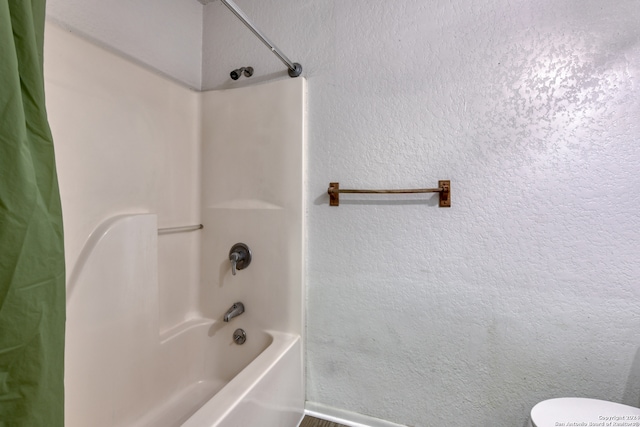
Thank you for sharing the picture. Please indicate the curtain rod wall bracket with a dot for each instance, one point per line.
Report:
(296, 71)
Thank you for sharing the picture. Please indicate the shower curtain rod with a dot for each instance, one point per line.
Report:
(295, 69)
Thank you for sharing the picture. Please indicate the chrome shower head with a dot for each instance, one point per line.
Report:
(247, 71)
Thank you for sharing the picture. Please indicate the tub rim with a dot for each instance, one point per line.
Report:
(216, 409)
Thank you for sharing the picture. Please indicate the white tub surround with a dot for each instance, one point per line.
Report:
(146, 343)
(253, 193)
(252, 182)
(118, 368)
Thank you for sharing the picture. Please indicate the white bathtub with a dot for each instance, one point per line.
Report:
(267, 393)
(122, 370)
(258, 383)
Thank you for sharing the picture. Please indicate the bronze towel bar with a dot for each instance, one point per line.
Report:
(444, 188)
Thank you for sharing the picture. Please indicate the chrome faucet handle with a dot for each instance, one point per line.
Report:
(234, 262)
(240, 257)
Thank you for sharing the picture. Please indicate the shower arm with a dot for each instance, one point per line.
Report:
(295, 69)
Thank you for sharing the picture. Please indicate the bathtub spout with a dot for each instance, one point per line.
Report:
(236, 310)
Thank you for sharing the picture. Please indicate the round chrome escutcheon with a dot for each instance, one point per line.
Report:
(239, 336)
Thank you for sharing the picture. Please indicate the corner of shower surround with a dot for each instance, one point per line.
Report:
(147, 343)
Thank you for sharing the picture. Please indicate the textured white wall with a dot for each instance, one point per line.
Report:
(528, 287)
(165, 35)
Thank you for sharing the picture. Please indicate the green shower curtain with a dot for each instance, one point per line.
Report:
(32, 275)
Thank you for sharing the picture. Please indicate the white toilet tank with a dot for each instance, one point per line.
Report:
(583, 412)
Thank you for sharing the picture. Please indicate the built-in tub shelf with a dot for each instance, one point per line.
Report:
(180, 328)
(444, 188)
